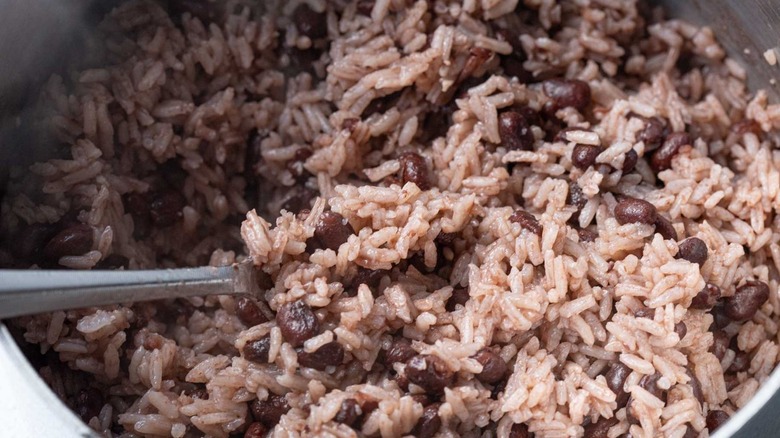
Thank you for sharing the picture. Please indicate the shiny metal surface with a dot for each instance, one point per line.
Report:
(29, 408)
(36, 34)
(25, 292)
(746, 28)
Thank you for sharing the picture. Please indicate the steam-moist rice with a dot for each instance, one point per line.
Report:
(182, 124)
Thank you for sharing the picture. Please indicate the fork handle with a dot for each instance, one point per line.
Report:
(27, 292)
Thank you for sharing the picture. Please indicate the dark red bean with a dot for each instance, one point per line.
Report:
(629, 161)
(652, 134)
(414, 169)
(430, 373)
(732, 381)
(531, 115)
(561, 137)
(257, 351)
(199, 393)
(616, 377)
(310, 23)
(30, 241)
(429, 423)
(681, 329)
(745, 126)
(706, 298)
(165, 208)
(645, 312)
(587, 235)
(365, 7)
(295, 166)
(255, 430)
(270, 410)
(720, 319)
(695, 387)
(576, 198)
(600, 428)
(740, 363)
(519, 430)
(477, 57)
(514, 68)
(88, 403)
(297, 322)
(690, 432)
(694, 250)
(527, 221)
(746, 301)
(348, 413)
(665, 228)
(460, 296)
(584, 155)
(381, 104)
(662, 158)
(400, 351)
(368, 406)
(715, 419)
(422, 399)
(332, 230)
(650, 384)
(567, 93)
(632, 211)
(330, 354)
(515, 131)
(300, 199)
(369, 277)
(74, 240)
(720, 343)
(493, 366)
(249, 313)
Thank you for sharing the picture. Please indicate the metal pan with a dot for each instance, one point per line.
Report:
(746, 28)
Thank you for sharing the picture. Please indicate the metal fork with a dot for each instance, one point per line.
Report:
(27, 292)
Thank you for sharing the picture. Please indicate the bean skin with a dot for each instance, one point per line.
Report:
(348, 413)
(330, 354)
(665, 228)
(746, 301)
(74, 240)
(515, 131)
(249, 313)
(297, 322)
(430, 373)
(584, 156)
(706, 298)
(631, 210)
(400, 351)
(629, 161)
(715, 419)
(271, 410)
(493, 366)
(257, 351)
(565, 93)
(662, 158)
(652, 134)
(694, 250)
(415, 170)
(616, 378)
(600, 428)
(332, 230)
(527, 221)
(429, 423)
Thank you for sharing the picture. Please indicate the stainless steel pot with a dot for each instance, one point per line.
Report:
(36, 35)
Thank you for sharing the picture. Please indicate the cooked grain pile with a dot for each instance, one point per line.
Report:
(472, 218)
